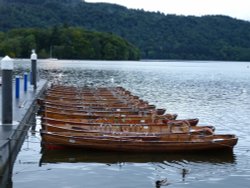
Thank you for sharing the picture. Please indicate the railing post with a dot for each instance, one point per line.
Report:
(33, 58)
(7, 100)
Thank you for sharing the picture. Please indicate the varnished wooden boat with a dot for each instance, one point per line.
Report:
(82, 94)
(112, 117)
(95, 93)
(167, 143)
(110, 120)
(100, 107)
(160, 111)
(74, 97)
(72, 93)
(129, 119)
(85, 89)
(87, 100)
(74, 88)
(90, 115)
(91, 122)
(106, 95)
(90, 111)
(105, 125)
(89, 95)
(96, 104)
(82, 102)
(130, 129)
(101, 111)
(115, 136)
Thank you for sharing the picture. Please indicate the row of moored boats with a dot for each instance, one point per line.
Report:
(115, 120)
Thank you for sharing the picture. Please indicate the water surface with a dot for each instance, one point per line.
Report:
(218, 93)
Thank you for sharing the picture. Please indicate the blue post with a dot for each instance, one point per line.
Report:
(25, 82)
(17, 87)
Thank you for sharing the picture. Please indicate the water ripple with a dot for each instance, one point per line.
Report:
(218, 93)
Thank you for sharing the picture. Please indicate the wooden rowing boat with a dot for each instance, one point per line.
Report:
(71, 108)
(166, 143)
(84, 122)
(129, 129)
(112, 94)
(108, 93)
(82, 102)
(101, 111)
(108, 126)
(86, 89)
(86, 100)
(53, 95)
(74, 97)
(99, 107)
(90, 111)
(96, 104)
(109, 117)
(162, 120)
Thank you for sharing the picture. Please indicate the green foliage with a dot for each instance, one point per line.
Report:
(158, 36)
(66, 43)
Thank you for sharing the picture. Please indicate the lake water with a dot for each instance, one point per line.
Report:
(218, 93)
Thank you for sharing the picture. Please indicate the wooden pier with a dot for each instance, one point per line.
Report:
(12, 135)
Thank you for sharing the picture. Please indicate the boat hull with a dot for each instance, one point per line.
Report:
(172, 143)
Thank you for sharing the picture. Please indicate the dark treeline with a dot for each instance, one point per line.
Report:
(158, 36)
(66, 43)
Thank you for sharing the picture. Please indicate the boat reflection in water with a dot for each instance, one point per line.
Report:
(75, 156)
(159, 163)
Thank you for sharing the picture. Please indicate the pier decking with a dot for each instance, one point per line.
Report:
(11, 136)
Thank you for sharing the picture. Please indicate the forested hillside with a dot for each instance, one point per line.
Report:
(66, 43)
(158, 36)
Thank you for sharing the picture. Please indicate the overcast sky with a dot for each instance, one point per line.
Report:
(235, 8)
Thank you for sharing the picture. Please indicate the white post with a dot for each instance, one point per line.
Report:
(33, 58)
(7, 108)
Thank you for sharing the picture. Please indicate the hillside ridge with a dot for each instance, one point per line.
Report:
(158, 36)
